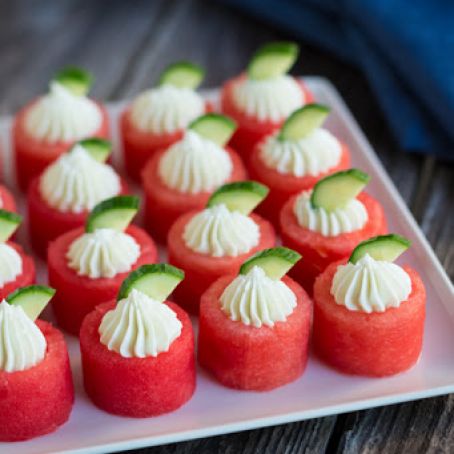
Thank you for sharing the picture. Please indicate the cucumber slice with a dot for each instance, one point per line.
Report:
(33, 299)
(157, 281)
(276, 262)
(9, 223)
(99, 149)
(76, 80)
(383, 247)
(272, 60)
(303, 121)
(336, 190)
(115, 213)
(182, 74)
(242, 196)
(215, 127)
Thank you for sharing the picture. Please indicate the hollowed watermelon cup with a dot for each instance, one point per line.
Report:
(77, 295)
(38, 400)
(46, 223)
(319, 251)
(33, 156)
(164, 205)
(376, 344)
(7, 199)
(27, 277)
(139, 146)
(137, 387)
(249, 358)
(283, 186)
(201, 270)
(250, 130)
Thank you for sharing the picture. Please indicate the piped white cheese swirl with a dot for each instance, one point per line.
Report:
(76, 182)
(61, 116)
(269, 99)
(139, 327)
(218, 232)
(10, 264)
(194, 165)
(22, 344)
(312, 155)
(103, 253)
(370, 285)
(349, 218)
(166, 109)
(255, 299)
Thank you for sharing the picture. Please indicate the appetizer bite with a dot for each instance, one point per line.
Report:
(17, 269)
(138, 352)
(215, 241)
(254, 327)
(60, 199)
(182, 177)
(369, 312)
(158, 117)
(262, 98)
(87, 265)
(36, 385)
(325, 224)
(49, 125)
(295, 157)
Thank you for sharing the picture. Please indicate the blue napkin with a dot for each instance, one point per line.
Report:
(404, 47)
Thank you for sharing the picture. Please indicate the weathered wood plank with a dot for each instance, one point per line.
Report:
(41, 45)
(307, 436)
(202, 32)
(414, 427)
(437, 217)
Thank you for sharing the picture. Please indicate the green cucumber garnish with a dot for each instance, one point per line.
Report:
(272, 60)
(276, 262)
(215, 127)
(9, 223)
(383, 247)
(242, 196)
(182, 74)
(157, 281)
(76, 80)
(99, 149)
(303, 122)
(115, 213)
(338, 189)
(32, 299)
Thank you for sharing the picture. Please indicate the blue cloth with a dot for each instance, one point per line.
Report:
(404, 47)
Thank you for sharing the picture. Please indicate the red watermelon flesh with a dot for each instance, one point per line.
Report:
(250, 358)
(376, 344)
(33, 156)
(201, 270)
(163, 205)
(7, 200)
(46, 223)
(282, 186)
(250, 130)
(27, 277)
(38, 400)
(77, 295)
(137, 387)
(139, 146)
(319, 251)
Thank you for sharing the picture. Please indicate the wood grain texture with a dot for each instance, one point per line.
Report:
(126, 44)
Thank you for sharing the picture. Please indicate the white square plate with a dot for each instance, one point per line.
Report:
(321, 391)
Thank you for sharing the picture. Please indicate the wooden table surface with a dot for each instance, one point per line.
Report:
(126, 43)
